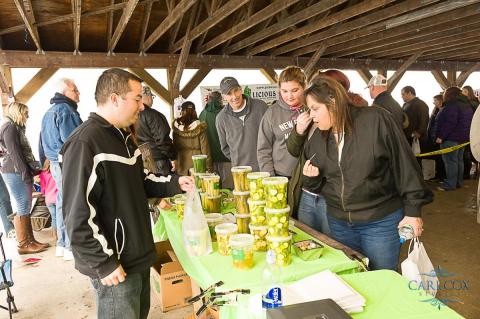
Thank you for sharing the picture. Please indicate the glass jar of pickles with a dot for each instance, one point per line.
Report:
(213, 203)
(199, 180)
(180, 206)
(241, 202)
(282, 247)
(199, 163)
(275, 191)
(255, 184)
(242, 222)
(259, 234)
(239, 174)
(212, 221)
(224, 231)
(242, 250)
(257, 212)
(211, 184)
(277, 221)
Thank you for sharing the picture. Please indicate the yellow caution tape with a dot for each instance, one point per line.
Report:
(443, 150)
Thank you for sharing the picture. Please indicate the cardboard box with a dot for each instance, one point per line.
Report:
(169, 283)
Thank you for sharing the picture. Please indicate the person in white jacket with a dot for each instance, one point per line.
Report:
(475, 147)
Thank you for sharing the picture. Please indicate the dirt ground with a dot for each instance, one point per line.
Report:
(54, 289)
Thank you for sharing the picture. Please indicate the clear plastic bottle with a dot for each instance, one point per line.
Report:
(271, 280)
(406, 232)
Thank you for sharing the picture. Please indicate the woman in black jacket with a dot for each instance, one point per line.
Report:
(373, 183)
(17, 172)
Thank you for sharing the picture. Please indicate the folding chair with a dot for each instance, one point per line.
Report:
(6, 280)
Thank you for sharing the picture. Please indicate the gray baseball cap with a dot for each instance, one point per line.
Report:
(146, 91)
(227, 84)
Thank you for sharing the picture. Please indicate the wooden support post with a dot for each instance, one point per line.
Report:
(382, 72)
(126, 15)
(309, 68)
(270, 74)
(32, 87)
(173, 91)
(156, 86)
(441, 79)
(77, 12)
(452, 76)
(364, 74)
(395, 78)
(465, 74)
(195, 81)
(5, 86)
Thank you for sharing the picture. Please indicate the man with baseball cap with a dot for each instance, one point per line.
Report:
(382, 98)
(238, 123)
(153, 128)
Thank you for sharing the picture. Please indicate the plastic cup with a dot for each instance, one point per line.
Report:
(199, 180)
(242, 250)
(241, 202)
(212, 221)
(282, 247)
(239, 174)
(255, 184)
(259, 237)
(275, 191)
(257, 212)
(203, 184)
(224, 231)
(199, 163)
(203, 198)
(277, 221)
(212, 185)
(180, 206)
(242, 222)
(213, 204)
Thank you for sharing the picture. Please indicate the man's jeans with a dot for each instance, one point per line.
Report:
(128, 300)
(453, 166)
(312, 210)
(52, 209)
(378, 240)
(5, 207)
(63, 240)
(21, 193)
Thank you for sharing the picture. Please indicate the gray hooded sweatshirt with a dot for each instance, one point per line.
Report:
(277, 123)
(238, 138)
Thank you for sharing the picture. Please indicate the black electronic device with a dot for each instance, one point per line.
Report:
(318, 309)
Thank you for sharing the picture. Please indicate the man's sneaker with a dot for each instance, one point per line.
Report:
(59, 251)
(67, 254)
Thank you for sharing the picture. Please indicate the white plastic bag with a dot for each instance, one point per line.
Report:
(416, 146)
(419, 269)
(196, 236)
(428, 169)
(177, 106)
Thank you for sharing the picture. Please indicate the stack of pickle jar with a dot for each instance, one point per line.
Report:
(256, 204)
(241, 195)
(277, 214)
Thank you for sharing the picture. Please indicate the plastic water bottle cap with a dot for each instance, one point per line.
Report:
(402, 240)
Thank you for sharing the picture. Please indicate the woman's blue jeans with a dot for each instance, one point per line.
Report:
(453, 166)
(312, 210)
(378, 239)
(52, 209)
(5, 207)
(20, 191)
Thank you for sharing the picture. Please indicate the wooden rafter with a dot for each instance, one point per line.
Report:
(207, 24)
(358, 23)
(364, 74)
(309, 67)
(6, 82)
(335, 18)
(35, 84)
(167, 23)
(195, 81)
(29, 20)
(452, 76)
(110, 24)
(122, 23)
(156, 86)
(77, 13)
(395, 78)
(441, 79)
(465, 74)
(295, 18)
(210, 6)
(145, 21)
(246, 24)
(270, 74)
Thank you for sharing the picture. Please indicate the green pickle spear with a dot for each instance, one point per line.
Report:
(242, 222)
(199, 163)
(239, 174)
(241, 202)
(275, 192)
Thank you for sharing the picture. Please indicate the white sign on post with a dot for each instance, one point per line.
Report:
(265, 92)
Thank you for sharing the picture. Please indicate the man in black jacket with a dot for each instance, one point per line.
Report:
(381, 97)
(153, 128)
(105, 199)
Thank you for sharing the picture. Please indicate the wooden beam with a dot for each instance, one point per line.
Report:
(77, 13)
(441, 79)
(311, 11)
(364, 74)
(122, 23)
(465, 74)
(207, 24)
(270, 74)
(355, 24)
(156, 86)
(452, 76)
(309, 67)
(27, 5)
(210, 7)
(246, 24)
(395, 78)
(452, 49)
(335, 18)
(194, 81)
(382, 72)
(145, 21)
(29, 25)
(35, 84)
(6, 79)
(110, 24)
(167, 23)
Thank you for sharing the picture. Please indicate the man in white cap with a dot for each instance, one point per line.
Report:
(382, 98)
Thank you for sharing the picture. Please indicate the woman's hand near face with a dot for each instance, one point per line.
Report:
(310, 170)
(303, 121)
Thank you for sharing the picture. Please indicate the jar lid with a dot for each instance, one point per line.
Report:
(238, 169)
(226, 228)
(277, 210)
(276, 180)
